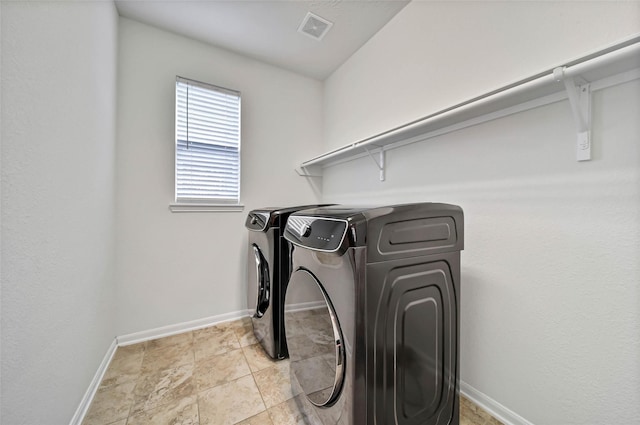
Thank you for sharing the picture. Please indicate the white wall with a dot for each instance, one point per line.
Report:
(178, 267)
(550, 315)
(58, 155)
(435, 54)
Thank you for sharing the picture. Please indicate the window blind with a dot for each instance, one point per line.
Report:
(207, 143)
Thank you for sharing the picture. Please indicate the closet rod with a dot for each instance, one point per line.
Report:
(629, 51)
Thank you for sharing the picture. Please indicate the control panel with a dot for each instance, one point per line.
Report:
(257, 221)
(321, 234)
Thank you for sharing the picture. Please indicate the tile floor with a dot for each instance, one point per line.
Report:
(213, 376)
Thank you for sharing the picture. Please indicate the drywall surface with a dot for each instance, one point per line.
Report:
(58, 178)
(177, 267)
(435, 54)
(550, 306)
(550, 302)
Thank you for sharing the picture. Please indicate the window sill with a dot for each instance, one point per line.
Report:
(190, 208)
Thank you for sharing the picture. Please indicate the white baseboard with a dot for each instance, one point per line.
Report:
(169, 330)
(82, 409)
(136, 337)
(497, 410)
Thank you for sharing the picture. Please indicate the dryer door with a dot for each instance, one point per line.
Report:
(314, 338)
(261, 271)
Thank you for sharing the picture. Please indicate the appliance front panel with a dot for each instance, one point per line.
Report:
(413, 334)
(338, 276)
(260, 281)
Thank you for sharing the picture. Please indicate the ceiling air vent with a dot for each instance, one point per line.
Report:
(314, 26)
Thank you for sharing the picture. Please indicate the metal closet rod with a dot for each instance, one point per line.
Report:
(625, 50)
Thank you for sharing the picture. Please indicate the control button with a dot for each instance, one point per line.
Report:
(306, 231)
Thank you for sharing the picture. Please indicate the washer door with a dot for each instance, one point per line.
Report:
(262, 282)
(314, 339)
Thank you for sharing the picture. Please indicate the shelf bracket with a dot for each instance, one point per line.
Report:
(580, 100)
(379, 162)
(309, 171)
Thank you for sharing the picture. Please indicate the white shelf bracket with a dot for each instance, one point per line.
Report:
(311, 171)
(580, 100)
(379, 162)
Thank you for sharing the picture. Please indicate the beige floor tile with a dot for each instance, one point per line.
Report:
(257, 358)
(239, 323)
(230, 403)
(493, 421)
(259, 419)
(167, 386)
(214, 340)
(244, 332)
(110, 404)
(226, 328)
(471, 414)
(274, 383)
(288, 413)
(169, 357)
(131, 350)
(125, 365)
(217, 375)
(220, 369)
(185, 338)
(181, 412)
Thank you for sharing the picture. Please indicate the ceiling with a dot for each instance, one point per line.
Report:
(267, 30)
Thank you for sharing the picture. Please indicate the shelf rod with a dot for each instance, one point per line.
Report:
(630, 50)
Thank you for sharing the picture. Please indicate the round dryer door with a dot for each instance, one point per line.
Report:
(261, 271)
(314, 339)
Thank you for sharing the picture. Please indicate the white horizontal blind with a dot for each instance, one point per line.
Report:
(207, 143)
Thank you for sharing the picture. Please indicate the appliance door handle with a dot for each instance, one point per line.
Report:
(262, 274)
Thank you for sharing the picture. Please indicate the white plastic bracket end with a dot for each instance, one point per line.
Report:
(580, 100)
(379, 162)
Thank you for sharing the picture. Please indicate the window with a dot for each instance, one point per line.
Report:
(207, 143)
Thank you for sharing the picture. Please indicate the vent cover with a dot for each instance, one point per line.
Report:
(314, 26)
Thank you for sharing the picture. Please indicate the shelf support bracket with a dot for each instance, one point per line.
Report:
(310, 171)
(580, 100)
(379, 162)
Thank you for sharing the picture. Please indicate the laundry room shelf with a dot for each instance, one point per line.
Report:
(575, 80)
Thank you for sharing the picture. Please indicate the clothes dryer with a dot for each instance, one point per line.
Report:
(268, 271)
(379, 345)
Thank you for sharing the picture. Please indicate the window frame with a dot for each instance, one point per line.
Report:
(205, 204)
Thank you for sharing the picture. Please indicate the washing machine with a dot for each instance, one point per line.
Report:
(268, 271)
(372, 314)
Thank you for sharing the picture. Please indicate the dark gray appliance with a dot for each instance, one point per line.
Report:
(268, 273)
(379, 344)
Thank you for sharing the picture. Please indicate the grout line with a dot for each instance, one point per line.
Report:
(259, 392)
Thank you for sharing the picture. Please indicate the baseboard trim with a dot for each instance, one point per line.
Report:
(82, 409)
(500, 412)
(137, 337)
(169, 330)
(497, 410)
